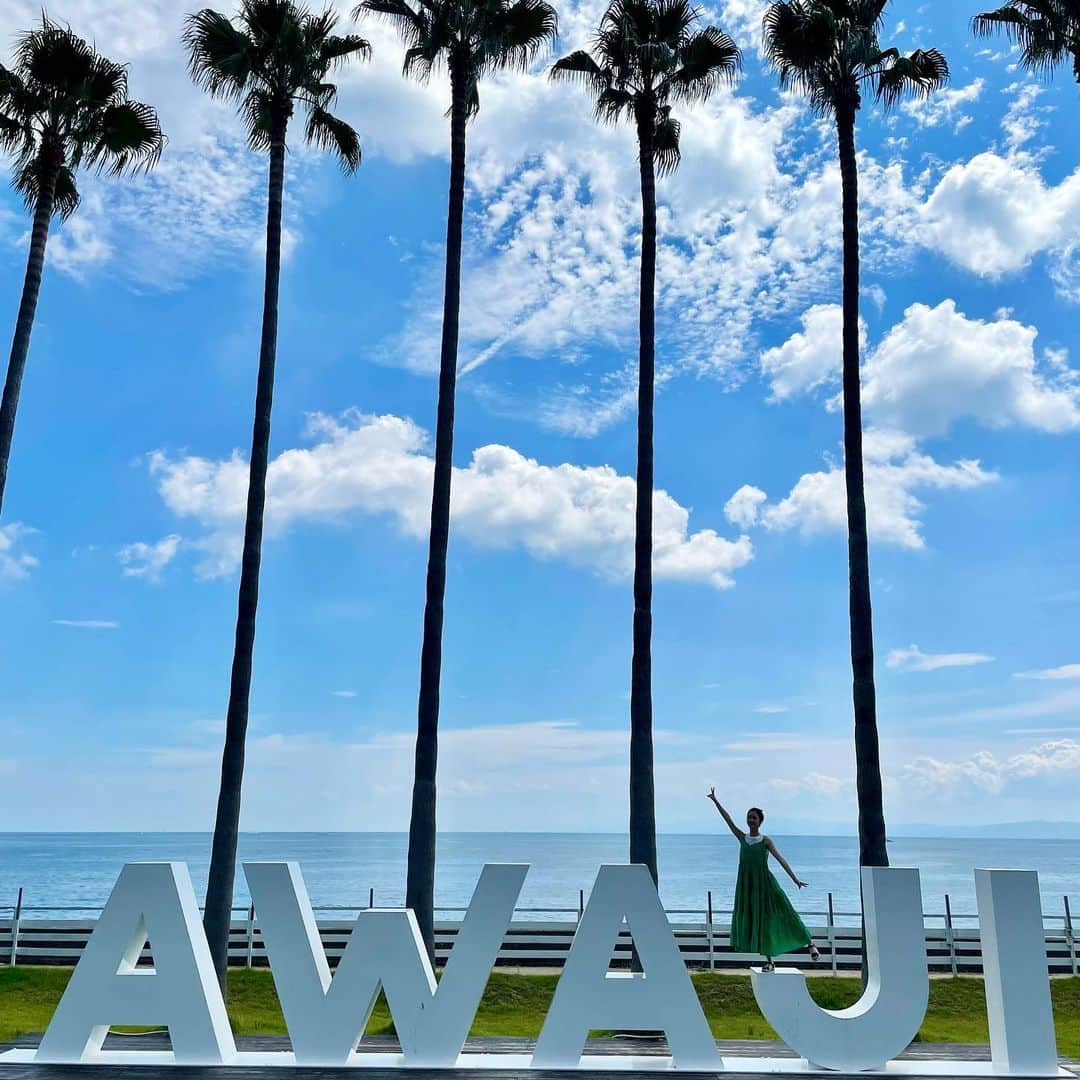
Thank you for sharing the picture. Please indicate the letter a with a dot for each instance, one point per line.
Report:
(590, 996)
(180, 991)
(888, 1015)
(326, 1015)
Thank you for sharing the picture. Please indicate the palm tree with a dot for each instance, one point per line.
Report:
(62, 107)
(1047, 31)
(274, 56)
(470, 39)
(829, 50)
(646, 55)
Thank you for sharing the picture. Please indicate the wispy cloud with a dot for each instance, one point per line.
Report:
(1066, 671)
(1069, 730)
(1065, 702)
(144, 560)
(914, 659)
(344, 693)
(88, 624)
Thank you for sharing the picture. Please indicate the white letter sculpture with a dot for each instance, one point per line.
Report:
(327, 1015)
(1022, 1040)
(180, 991)
(590, 996)
(887, 1017)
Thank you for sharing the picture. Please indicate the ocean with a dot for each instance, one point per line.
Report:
(70, 873)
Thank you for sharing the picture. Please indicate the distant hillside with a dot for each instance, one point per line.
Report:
(1011, 830)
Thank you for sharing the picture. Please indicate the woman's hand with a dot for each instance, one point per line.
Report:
(712, 794)
(802, 884)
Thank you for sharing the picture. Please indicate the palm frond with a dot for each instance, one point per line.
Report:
(274, 56)
(868, 13)
(130, 139)
(469, 38)
(826, 49)
(328, 132)
(472, 98)
(16, 108)
(54, 56)
(259, 113)
(579, 66)
(26, 180)
(614, 103)
(220, 57)
(64, 106)
(646, 54)
(1047, 31)
(666, 151)
(800, 43)
(12, 132)
(917, 75)
(672, 20)
(334, 50)
(65, 193)
(408, 22)
(106, 84)
(521, 32)
(29, 181)
(1009, 19)
(708, 60)
(419, 62)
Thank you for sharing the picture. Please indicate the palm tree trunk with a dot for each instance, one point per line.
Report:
(642, 795)
(24, 324)
(219, 890)
(420, 884)
(872, 850)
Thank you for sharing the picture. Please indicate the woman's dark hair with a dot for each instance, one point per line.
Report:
(757, 810)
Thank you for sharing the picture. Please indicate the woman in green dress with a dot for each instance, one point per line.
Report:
(763, 921)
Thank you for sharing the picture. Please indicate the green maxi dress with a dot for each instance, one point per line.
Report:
(764, 922)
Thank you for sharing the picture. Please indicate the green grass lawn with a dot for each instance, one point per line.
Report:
(516, 1005)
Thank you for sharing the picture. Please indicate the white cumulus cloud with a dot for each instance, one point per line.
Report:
(937, 366)
(934, 367)
(15, 561)
(744, 507)
(986, 772)
(895, 471)
(810, 358)
(992, 214)
(583, 515)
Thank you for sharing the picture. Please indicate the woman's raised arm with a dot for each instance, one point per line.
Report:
(735, 830)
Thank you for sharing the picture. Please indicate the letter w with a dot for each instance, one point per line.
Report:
(326, 1015)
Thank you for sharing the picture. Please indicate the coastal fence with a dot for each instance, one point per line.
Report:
(541, 937)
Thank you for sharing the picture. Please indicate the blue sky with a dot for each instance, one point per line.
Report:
(121, 523)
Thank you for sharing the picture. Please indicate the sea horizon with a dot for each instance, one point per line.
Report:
(1049, 830)
(74, 871)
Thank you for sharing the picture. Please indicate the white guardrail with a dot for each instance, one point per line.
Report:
(541, 937)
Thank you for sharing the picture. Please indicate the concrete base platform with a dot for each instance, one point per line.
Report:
(514, 1064)
(497, 1059)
